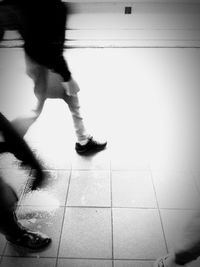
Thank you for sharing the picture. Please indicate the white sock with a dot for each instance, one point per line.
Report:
(83, 142)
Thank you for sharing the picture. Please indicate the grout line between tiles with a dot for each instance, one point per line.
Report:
(116, 207)
(4, 251)
(103, 259)
(91, 170)
(24, 190)
(29, 257)
(63, 218)
(76, 169)
(113, 207)
(73, 258)
(132, 260)
(112, 226)
(70, 175)
(159, 212)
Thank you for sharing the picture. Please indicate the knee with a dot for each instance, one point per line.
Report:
(33, 71)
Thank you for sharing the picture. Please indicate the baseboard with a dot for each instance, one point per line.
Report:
(150, 25)
(120, 38)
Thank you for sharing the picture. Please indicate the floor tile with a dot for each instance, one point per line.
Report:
(86, 233)
(99, 161)
(8, 161)
(45, 219)
(31, 262)
(16, 178)
(54, 190)
(2, 243)
(123, 263)
(51, 145)
(40, 197)
(144, 125)
(176, 190)
(132, 189)
(53, 159)
(168, 160)
(137, 234)
(126, 160)
(174, 223)
(84, 263)
(89, 188)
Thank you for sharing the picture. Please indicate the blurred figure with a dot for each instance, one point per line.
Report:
(187, 250)
(42, 26)
(14, 232)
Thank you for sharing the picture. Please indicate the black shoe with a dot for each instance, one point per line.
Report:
(4, 147)
(90, 147)
(35, 241)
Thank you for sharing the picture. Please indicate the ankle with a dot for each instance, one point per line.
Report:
(85, 140)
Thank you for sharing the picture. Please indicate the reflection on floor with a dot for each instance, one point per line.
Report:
(126, 205)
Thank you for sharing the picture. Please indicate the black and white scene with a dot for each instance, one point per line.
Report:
(99, 133)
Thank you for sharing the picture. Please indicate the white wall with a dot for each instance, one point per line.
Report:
(152, 23)
(103, 23)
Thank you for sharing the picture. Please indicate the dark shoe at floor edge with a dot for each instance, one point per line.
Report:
(92, 146)
(166, 261)
(34, 241)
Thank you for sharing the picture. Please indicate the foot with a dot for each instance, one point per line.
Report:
(35, 241)
(92, 146)
(166, 261)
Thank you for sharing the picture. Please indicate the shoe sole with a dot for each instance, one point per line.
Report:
(30, 249)
(92, 151)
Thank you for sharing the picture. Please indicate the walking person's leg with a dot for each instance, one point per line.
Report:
(39, 75)
(14, 232)
(85, 143)
(10, 226)
(187, 250)
(74, 107)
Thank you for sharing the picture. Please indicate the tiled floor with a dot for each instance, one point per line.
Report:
(125, 206)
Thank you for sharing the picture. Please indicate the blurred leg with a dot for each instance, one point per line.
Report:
(8, 201)
(189, 247)
(10, 226)
(39, 75)
(15, 144)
